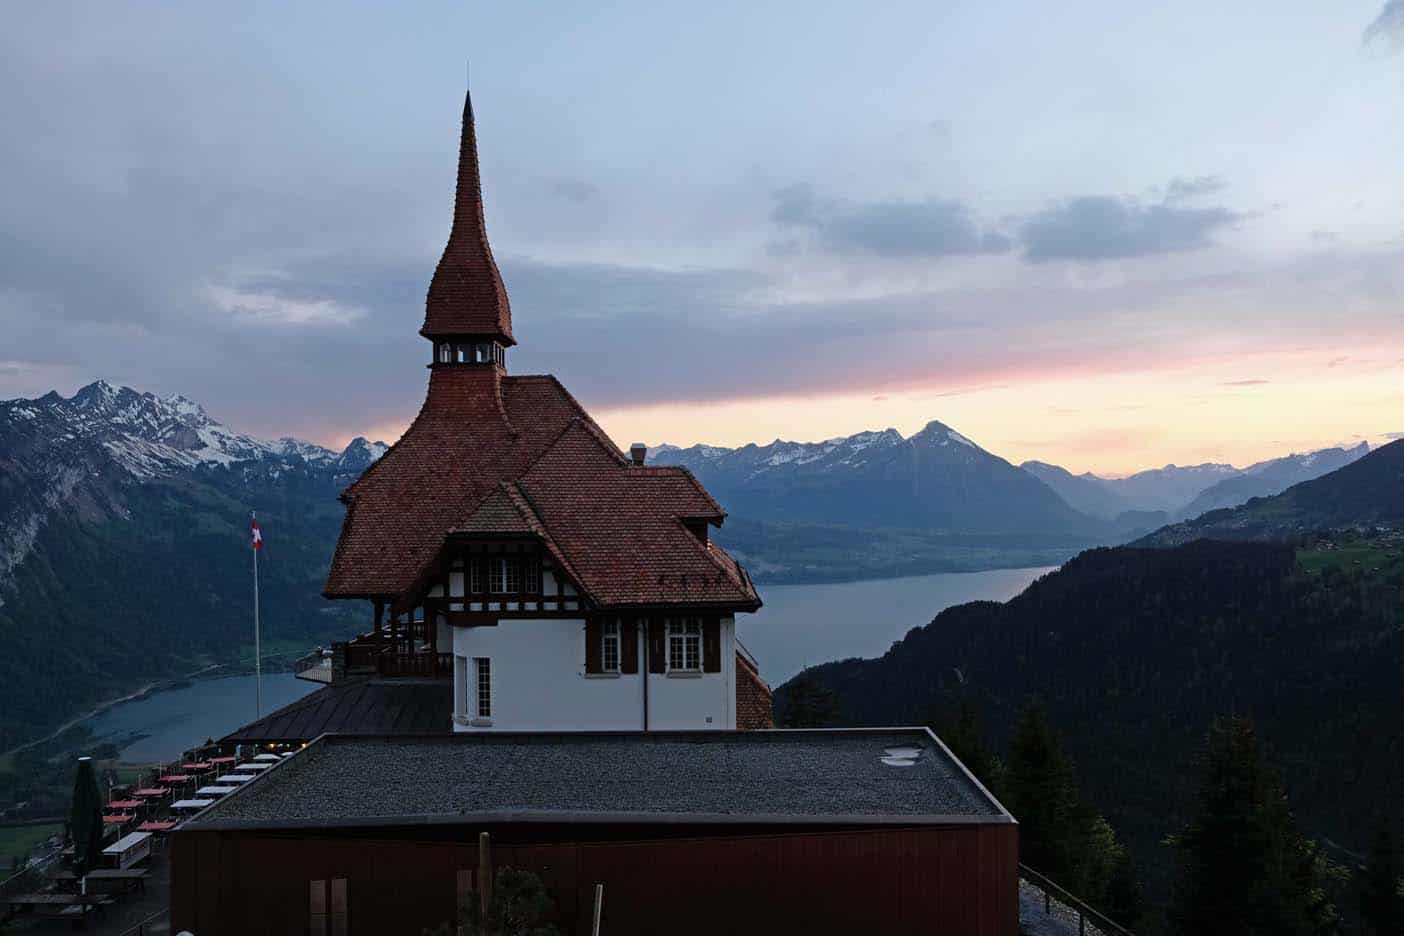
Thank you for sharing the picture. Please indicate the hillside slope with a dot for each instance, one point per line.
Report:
(1134, 651)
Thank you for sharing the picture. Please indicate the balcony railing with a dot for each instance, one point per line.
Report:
(422, 664)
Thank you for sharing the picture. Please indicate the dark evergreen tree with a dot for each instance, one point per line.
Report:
(1243, 866)
(1042, 795)
(966, 739)
(810, 704)
(1381, 899)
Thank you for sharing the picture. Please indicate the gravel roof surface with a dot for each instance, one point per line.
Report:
(810, 775)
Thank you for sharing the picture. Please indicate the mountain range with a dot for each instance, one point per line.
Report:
(934, 479)
(1178, 492)
(1365, 495)
(124, 532)
(124, 525)
(938, 501)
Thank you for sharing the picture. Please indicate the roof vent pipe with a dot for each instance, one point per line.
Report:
(638, 452)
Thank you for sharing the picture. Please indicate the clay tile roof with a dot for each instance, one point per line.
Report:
(511, 455)
(490, 454)
(466, 295)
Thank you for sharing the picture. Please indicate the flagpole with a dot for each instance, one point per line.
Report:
(258, 657)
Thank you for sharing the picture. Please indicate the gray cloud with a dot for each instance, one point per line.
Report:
(1102, 227)
(1183, 189)
(1387, 29)
(931, 228)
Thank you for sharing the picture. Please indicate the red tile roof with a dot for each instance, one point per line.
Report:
(466, 295)
(490, 453)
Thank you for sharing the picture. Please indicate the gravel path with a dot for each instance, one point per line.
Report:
(1034, 922)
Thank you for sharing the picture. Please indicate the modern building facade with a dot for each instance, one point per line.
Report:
(842, 831)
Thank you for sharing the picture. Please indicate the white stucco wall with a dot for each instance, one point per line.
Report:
(539, 683)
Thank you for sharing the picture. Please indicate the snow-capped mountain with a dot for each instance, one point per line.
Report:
(1274, 476)
(148, 435)
(1183, 492)
(936, 479)
(79, 453)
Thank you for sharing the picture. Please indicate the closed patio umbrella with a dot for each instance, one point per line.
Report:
(85, 818)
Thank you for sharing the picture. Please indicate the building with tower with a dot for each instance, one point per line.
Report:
(507, 545)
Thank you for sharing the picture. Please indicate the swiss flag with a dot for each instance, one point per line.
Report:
(257, 536)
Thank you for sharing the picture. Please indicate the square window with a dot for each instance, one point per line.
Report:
(685, 644)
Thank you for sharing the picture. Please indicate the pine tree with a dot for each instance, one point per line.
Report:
(1381, 900)
(1042, 794)
(1243, 867)
(966, 741)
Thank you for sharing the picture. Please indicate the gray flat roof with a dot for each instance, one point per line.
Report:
(845, 776)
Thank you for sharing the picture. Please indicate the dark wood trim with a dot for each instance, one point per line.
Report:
(711, 645)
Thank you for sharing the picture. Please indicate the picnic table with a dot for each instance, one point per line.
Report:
(215, 790)
(126, 880)
(255, 766)
(197, 766)
(150, 792)
(268, 758)
(192, 804)
(117, 818)
(125, 804)
(222, 760)
(162, 826)
(175, 778)
(234, 778)
(64, 906)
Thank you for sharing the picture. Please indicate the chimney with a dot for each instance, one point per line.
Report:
(638, 452)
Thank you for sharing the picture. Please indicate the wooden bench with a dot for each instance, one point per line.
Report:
(122, 880)
(59, 906)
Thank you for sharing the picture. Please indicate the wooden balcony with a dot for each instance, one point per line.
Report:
(368, 655)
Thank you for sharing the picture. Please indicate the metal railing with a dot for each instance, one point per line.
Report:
(315, 659)
(1085, 915)
(417, 663)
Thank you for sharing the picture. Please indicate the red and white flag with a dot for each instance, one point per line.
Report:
(257, 536)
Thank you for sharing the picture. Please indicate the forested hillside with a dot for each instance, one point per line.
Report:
(1133, 652)
(102, 606)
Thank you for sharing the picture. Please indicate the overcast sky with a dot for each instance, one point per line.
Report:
(1114, 237)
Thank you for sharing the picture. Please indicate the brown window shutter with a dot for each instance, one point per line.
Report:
(628, 646)
(594, 645)
(657, 648)
(711, 646)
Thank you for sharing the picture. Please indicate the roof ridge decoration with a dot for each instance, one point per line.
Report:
(466, 295)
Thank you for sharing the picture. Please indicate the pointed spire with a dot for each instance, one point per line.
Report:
(466, 295)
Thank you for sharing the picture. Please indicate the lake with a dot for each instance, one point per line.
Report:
(800, 625)
(164, 724)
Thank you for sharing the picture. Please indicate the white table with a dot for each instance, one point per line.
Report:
(253, 767)
(192, 804)
(268, 758)
(215, 790)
